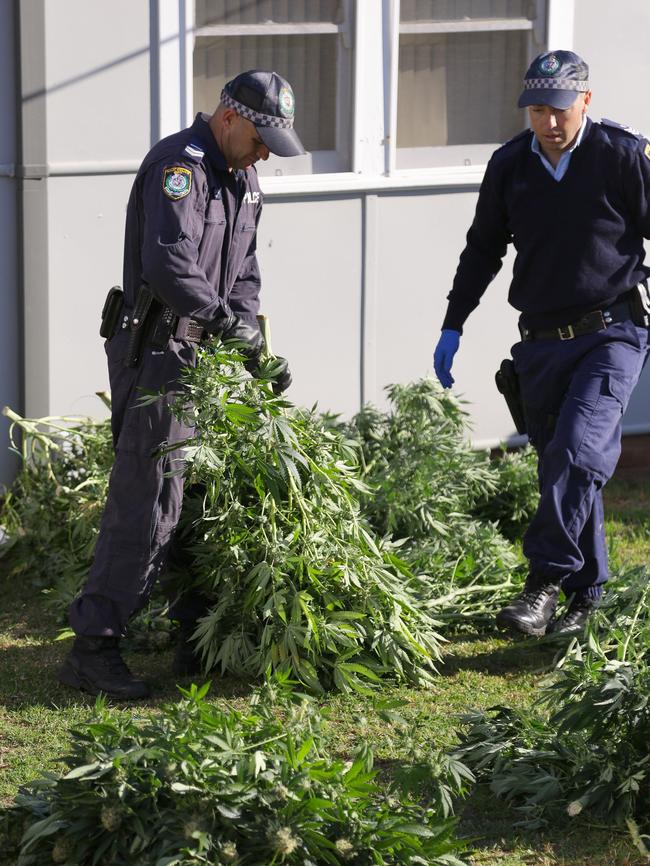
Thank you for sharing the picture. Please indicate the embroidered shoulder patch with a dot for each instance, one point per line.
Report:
(647, 149)
(177, 182)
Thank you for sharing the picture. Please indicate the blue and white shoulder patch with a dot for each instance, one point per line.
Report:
(194, 151)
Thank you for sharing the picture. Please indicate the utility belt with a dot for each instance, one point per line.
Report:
(634, 306)
(150, 322)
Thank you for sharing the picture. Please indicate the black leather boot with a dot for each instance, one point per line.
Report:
(575, 619)
(94, 665)
(532, 611)
(186, 662)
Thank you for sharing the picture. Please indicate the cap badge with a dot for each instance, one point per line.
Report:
(177, 182)
(549, 65)
(286, 102)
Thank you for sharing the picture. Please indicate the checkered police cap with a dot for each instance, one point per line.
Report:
(555, 78)
(267, 100)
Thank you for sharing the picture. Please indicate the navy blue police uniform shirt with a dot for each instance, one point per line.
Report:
(191, 229)
(578, 242)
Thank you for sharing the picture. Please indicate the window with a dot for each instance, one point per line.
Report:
(309, 42)
(461, 63)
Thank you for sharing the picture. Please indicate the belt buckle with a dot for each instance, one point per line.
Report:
(566, 332)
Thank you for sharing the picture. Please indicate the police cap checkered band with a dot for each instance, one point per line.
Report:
(555, 84)
(255, 116)
(266, 99)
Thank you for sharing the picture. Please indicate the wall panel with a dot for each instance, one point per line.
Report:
(310, 254)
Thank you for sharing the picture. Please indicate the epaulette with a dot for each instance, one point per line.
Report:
(515, 138)
(194, 151)
(635, 133)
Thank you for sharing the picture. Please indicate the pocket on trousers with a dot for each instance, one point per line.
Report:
(600, 447)
(613, 387)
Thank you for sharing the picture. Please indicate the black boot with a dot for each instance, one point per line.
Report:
(575, 619)
(94, 665)
(531, 612)
(186, 660)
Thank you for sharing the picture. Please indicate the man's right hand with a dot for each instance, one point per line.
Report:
(443, 356)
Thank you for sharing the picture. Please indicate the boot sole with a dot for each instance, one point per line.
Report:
(70, 677)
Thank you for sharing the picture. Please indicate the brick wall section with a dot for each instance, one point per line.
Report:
(635, 453)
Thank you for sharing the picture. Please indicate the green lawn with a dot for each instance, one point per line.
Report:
(35, 711)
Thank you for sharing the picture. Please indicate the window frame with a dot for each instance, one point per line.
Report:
(375, 42)
(322, 161)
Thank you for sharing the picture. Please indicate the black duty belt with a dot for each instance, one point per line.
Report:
(590, 323)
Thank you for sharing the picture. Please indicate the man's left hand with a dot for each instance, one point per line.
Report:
(250, 338)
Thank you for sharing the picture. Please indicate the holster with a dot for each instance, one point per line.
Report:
(507, 383)
(640, 305)
(111, 312)
(140, 325)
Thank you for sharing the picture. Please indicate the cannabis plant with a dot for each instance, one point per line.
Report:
(584, 747)
(52, 512)
(512, 502)
(425, 487)
(195, 785)
(294, 576)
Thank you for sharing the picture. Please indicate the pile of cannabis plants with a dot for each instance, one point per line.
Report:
(445, 502)
(51, 514)
(331, 551)
(197, 785)
(293, 575)
(584, 748)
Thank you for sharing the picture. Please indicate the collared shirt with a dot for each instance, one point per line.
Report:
(561, 168)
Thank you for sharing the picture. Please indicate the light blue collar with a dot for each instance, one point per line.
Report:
(561, 169)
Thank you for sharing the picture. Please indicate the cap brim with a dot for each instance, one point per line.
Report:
(282, 142)
(548, 96)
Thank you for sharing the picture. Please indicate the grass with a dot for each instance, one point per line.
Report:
(478, 671)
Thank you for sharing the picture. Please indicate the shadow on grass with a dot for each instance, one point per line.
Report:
(28, 677)
(490, 825)
(30, 657)
(528, 655)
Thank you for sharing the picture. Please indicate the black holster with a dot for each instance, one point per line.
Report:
(140, 325)
(507, 383)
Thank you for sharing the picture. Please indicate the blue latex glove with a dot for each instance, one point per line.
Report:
(443, 356)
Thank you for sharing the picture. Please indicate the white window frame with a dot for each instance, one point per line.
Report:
(374, 108)
(533, 27)
(320, 160)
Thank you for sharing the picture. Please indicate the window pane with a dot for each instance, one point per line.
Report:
(213, 12)
(464, 10)
(459, 88)
(307, 62)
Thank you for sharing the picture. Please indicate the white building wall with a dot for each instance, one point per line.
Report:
(86, 125)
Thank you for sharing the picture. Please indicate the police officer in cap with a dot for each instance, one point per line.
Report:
(573, 196)
(190, 272)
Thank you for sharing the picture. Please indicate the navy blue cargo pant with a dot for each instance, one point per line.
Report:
(145, 497)
(575, 392)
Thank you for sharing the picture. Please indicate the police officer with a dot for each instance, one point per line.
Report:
(190, 271)
(573, 197)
